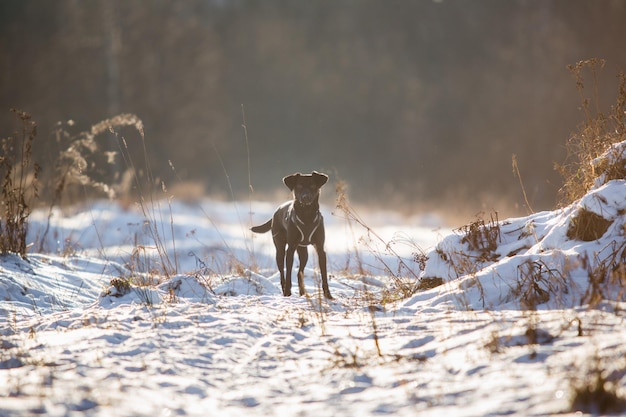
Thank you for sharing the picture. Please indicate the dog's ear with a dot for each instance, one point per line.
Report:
(291, 180)
(319, 178)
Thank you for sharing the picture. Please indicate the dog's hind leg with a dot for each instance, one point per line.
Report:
(321, 255)
(303, 256)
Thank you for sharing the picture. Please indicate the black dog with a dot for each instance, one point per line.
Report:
(297, 224)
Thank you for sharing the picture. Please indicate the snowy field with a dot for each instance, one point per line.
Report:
(176, 310)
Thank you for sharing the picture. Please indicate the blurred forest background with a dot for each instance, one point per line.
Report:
(413, 103)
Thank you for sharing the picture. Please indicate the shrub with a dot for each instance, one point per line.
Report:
(537, 283)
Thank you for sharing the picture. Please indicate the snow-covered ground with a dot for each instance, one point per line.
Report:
(513, 328)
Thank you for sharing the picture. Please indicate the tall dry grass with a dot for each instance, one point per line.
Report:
(594, 136)
(83, 162)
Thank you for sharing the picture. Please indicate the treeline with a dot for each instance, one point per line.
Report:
(409, 100)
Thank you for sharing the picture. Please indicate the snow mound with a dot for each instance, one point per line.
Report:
(552, 259)
(45, 284)
(180, 288)
(250, 284)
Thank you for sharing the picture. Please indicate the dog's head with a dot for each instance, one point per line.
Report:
(306, 187)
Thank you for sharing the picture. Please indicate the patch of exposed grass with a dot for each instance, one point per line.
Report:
(427, 283)
(587, 226)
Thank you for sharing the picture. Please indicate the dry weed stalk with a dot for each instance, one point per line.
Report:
(20, 185)
(516, 172)
(405, 287)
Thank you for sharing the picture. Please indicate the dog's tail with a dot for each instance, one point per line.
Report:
(265, 227)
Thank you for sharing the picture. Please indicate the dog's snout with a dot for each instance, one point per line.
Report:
(306, 197)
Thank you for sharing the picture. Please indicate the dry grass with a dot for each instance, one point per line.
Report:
(594, 137)
(597, 391)
(607, 274)
(481, 239)
(82, 160)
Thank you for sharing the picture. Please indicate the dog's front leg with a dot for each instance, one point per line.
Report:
(321, 255)
(303, 257)
(280, 263)
(289, 259)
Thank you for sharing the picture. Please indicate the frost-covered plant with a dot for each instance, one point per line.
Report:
(119, 287)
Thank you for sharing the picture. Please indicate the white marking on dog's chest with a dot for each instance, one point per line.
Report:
(304, 241)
